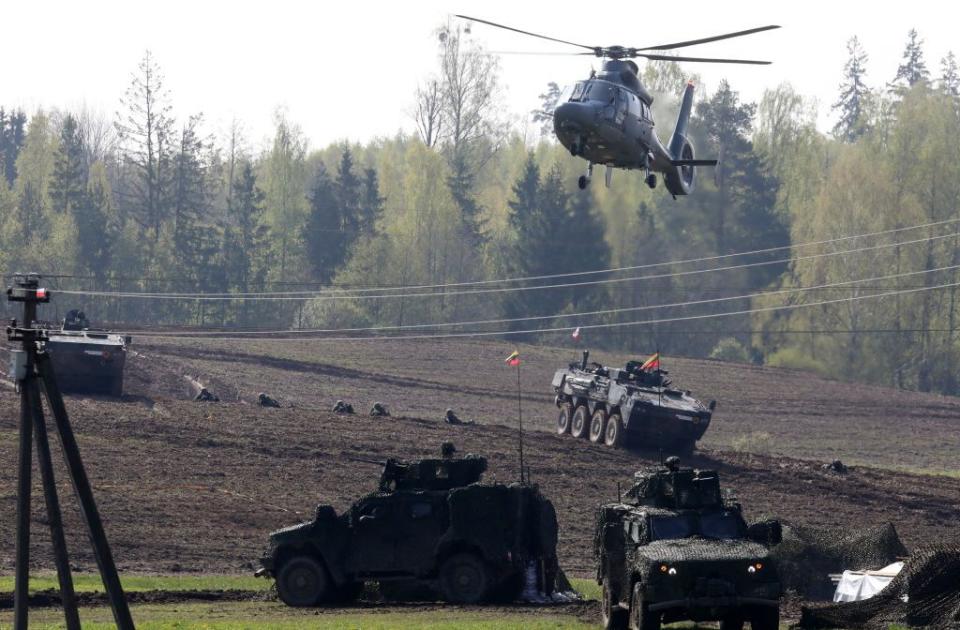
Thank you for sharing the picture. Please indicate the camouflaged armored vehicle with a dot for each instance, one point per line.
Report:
(628, 407)
(674, 550)
(431, 524)
(86, 360)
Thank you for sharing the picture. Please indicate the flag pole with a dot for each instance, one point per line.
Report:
(520, 419)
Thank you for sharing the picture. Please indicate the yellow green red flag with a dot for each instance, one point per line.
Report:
(513, 359)
(653, 363)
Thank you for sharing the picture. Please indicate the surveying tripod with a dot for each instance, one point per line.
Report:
(32, 370)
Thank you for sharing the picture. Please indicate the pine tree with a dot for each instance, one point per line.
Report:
(913, 69)
(853, 95)
(349, 190)
(950, 75)
(527, 225)
(69, 184)
(246, 245)
(96, 233)
(587, 228)
(12, 136)
(190, 197)
(145, 131)
(371, 204)
(324, 237)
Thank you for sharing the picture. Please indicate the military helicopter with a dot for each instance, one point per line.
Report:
(606, 119)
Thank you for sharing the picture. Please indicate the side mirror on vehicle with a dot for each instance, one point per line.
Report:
(769, 533)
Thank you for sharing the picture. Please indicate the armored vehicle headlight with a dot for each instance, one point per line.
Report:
(668, 570)
(753, 568)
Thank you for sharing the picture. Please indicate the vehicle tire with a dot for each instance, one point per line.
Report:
(732, 622)
(302, 581)
(640, 616)
(582, 182)
(613, 432)
(598, 423)
(464, 579)
(580, 424)
(612, 615)
(564, 417)
(765, 618)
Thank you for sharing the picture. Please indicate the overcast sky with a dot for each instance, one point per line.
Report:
(347, 70)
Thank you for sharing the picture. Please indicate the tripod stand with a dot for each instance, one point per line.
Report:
(33, 371)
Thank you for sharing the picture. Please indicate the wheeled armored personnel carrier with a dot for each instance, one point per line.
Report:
(673, 550)
(628, 406)
(430, 524)
(86, 360)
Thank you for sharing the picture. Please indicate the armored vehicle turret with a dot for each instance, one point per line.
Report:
(673, 550)
(629, 406)
(430, 523)
(86, 360)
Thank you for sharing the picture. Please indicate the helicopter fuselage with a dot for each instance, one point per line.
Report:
(607, 122)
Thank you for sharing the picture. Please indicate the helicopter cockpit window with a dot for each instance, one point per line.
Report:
(578, 91)
(600, 91)
(566, 94)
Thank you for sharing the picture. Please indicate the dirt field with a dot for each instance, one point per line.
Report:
(195, 487)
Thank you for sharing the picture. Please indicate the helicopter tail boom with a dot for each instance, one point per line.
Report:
(693, 162)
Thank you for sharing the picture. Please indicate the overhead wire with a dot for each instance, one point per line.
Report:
(509, 320)
(294, 335)
(446, 294)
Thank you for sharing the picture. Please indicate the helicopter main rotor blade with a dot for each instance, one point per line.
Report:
(752, 62)
(539, 53)
(715, 38)
(517, 30)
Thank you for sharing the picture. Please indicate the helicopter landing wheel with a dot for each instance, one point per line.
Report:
(651, 181)
(583, 182)
(575, 149)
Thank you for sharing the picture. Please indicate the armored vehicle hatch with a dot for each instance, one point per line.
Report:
(628, 406)
(675, 550)
(431, 524)
(86, 360)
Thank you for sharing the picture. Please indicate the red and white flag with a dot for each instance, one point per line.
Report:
(576, 334)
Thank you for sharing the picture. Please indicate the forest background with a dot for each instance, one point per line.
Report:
(836, 252)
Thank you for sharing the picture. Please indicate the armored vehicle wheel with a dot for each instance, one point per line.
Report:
(302, 581)
(613, 432)
(564, 417)
(598, 423)
(464, 579)
(580, 425)
(766, 618)
(613, 616)
(640, 616)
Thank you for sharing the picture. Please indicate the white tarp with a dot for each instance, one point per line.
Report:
(857, 585)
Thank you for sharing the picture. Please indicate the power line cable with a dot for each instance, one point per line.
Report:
(558, 315)
(326, 297)
(295, 335)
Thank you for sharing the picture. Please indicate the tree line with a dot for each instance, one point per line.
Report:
(147, 200)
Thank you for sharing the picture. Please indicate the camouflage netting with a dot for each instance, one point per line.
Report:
(925, 594)
(808, 555)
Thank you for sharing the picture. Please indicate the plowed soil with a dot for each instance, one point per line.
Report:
(191, 486)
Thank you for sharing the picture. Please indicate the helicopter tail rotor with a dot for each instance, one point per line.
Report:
(680, 177)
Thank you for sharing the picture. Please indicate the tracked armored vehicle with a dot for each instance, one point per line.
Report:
(86, 360)
(674, 550)
(628, 406)
(430, 525)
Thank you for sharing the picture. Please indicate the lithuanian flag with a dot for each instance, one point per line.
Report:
(653, 363)
(513, 359)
